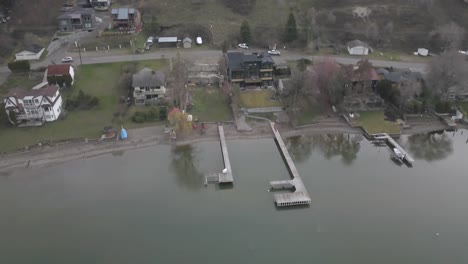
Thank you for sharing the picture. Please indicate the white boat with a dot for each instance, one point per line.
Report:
(199, 41)
(398, 153)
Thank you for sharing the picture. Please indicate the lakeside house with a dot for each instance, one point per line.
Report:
(62, 75)
(125, 18)
(249, 70)
(76, 20)
(357, 47)
(149, 87)
(33, 107)
(457, 92)
(33, 52)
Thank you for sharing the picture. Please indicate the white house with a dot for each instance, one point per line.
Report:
(33, 52)
(357, 47)
(34, 107)
(148, 86)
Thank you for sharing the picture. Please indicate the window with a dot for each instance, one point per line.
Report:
(36, 101)
(147, 89)
(148, 96)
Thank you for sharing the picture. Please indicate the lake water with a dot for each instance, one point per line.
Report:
(151, 206)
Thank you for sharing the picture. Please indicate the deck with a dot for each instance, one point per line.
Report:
(227, 176)
(299, 196)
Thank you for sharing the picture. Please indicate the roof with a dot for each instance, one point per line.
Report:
(401, 76)
(34, 48)
(19, 92)
(123, 12)
(187, 40)
(148, 77)
(167, 39)
(237, 59)
(58, 69)
(75, 14)
(356, 75)
(357, 43)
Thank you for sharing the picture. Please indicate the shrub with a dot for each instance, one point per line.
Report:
(162, 113)
(19, 66)
(82, 101)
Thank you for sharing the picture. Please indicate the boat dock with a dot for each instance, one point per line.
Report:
(299, 195)
(393, 143)
(226, 175)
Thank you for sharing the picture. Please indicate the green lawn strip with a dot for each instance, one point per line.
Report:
(374, 123)
(253, 99)
(100, 80)
(209, 104)
(310, 113)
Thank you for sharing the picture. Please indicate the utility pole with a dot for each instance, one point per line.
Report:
(79, 52)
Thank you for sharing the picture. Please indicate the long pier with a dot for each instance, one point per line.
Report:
(392, 142)
(299, 194)
(226, 175)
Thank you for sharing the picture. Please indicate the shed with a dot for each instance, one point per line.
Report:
(187, 43)
(423, 52)
(167, 42)
(357, 47)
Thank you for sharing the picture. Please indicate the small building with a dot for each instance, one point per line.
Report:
(33, 107)
(187, 43)
(167, 42)
(76, 20)
(62, 75)
(423, 52)
(148, 87)
(125, 18)
(357, 47)
(33, 52)
(100, 5)
(457, 92)
(249, 70)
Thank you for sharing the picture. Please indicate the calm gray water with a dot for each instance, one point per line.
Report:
(150, 205)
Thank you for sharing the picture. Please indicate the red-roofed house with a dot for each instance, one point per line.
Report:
(62, 75)
(34, 107)
(360, 78)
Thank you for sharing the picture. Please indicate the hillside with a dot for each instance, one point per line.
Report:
(392, 24)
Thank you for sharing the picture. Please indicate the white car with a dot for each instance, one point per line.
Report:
(150, 40)
(274, 52)
(243, 46)
(67, 59)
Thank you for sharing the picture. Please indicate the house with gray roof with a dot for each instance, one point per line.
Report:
(249, 70)
(76, 20)
(149, 87)
(125, 18)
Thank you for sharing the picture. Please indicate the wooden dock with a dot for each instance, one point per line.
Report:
(226, 175)
(299, 196)
(393, 143)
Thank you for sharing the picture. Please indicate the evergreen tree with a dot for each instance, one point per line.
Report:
(245, 32)
(291, 28)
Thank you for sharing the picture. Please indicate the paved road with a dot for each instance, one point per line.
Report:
(202, 55)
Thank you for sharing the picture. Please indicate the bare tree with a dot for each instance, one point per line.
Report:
(451, 35)
(179, 74)
(408, 90)
(372, 31)
(447, 70)
(329, 80)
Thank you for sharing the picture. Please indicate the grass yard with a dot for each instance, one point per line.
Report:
(463, 107)
(258, 98)
(100, 80)
(310, 113)
(374, 123)
(209, 104)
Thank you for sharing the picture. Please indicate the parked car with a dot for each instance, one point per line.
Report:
(67, 59)
(150, 41)
(274, 52)
(243, 46)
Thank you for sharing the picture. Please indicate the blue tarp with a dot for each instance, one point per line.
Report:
(123, 133)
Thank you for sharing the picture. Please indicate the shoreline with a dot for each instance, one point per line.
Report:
(152, 136)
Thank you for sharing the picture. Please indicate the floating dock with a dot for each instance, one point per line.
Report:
(226, 175)
(299, 195)
(393, 143)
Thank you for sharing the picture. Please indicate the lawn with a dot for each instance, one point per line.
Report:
(258, 98)
(374, 123)
(100, 80)
(463, 107)
(310, 113)
(209, 104)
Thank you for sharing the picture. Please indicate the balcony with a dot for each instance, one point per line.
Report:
(29, 116)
